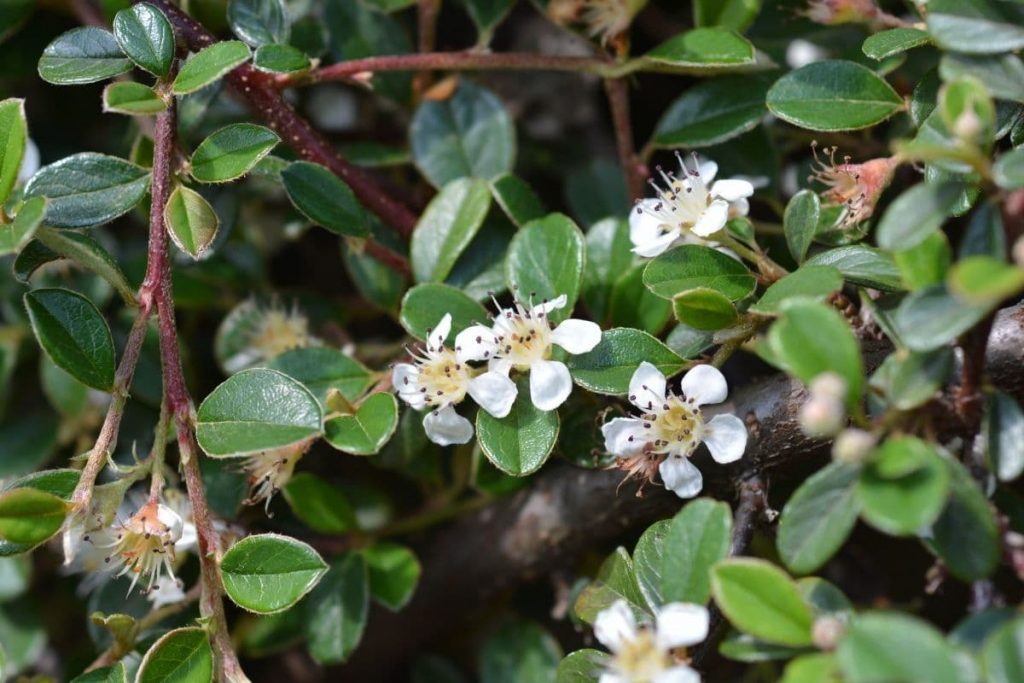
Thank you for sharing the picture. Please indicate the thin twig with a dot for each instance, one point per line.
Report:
(634, 169)
(426, 22)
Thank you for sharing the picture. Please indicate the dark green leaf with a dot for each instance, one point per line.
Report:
(703, 49)
(545, 261)
(1001, 75)
(818, 518)
(146, 36)
(908, 380)
(691, 266)
(1003, 429)
(893, 41)
(447, 227)
(210, 64)
(803, 212)
(932, 317)
(608, 368)
(323, 198)
(320, 506)
(424, 305)
(1008, 171)
(268, 573)
(975, 26)
(517, 199)
(861, 265)
(487, 14)
(281, 59)
(259, 22)
(734, 14)
(966, 535)
(74, 334)
(713, 112)
(88, 189)
(519, 652)
(231, 152)
(82, 55)
(519, 443)
(86, 253)
(337, 610)
(323, 369)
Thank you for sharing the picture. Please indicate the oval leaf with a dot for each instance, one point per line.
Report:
(183, 655)
(337, 610)
(13, 138)
(74, 334)
(712, 112)
(519, 443)
(368, 430)
(818, 518)
(690, 266)
(16, 234)
(88, 189)
(323, 198)
(231, 152)
(424, 305)
(447, 227)
(698, 537)
(319, 505)
(145, 35)
(895, 647)
(322, 369)
(269, 573)
(608, 368)
(210, 64)
(259, 22)
(545, 261)
(191, 221)
(761, 600)
(128, 97)
(82, 55)
(30, 516)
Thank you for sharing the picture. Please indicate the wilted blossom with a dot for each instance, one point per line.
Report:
(856, 187)
(264, 331)
(671, 427)
(269, 470)
(602, 19)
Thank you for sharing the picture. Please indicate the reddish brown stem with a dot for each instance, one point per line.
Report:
(426, 20)
(634, 169)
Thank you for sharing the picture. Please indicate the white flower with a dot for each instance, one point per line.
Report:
(644, 654)
(672, 426)
(439, 380)
(270, 470)
(521, 339)
(166, 590)
(143, 546)
(254, 333)
(686, 207)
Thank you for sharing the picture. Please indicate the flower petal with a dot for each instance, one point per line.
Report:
(546, 307)
(611, 677)
(677, 674)
(446, 427)
(657, 246)
(494, 392)
(577, 336)
(550, 384)
(644, 226)
(622, 436)
(681, 624)
(732, 190)
(646, 386)
(740, 207)
(435, 340)
(713, 219)
(476, 342)
(405, 379)
(708, 170)
(704, 384)
(681, 476)
(726, 438)
(615, 626)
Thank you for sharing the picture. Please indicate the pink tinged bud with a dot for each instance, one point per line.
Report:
(858, 187)
(832, 12)
(826, 632)
(852, 446)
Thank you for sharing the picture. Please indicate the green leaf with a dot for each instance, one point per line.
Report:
(703, 308)
(879, 647)
(280, 59)
(647, 564)
(128, 97)
(191, 221)
(608, 368)
(745, 648)
(89, 254)
(1008, 171)
(268, 573)
(819, 667)
(146, 36)
(323, 198)
(368, 430)
(1003, 430)
(82, 55)
(985, 280)
(545, 261)
(582, 666)
(424, 305)
(916, 214)
(487, 14)
(19, 232)
(519, 443)
(259, 22)
(597, 190)
(337, 610)
(355, 31)
(74, 334)
(932, 317)
(615, 581)
(183, 655)
(467, 135)
(29, 516)
(908, 380)
(394, 573)
(633, 305)
(904, 486)
(712, 112)
(519, 652)
(812, 338)
(1003, 654)
(885, 44)
(691, 266)
(833, 95)
(517, 199)
(210, 64)
(975, 26)
(698, 537)
(608, 256)
(926, 263)
(818, 518)
(320, 506)
(800, 222)
(88, 189)
(323, 369)
(761, 600)
(703, 49)
(807, 282)
(734, 14)
(861, 265)
(231, 152)
(966, 535)
(107, 674)
(13, 137)
(256, 410)
(447, 227)
(1000, 75)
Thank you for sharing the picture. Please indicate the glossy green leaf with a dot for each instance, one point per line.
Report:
(280, 59)
(365, 432)
(582, 666)
(885, 646)
(703, 308)
(893, 41)
(908, 380)
(647, 563)
(519, 652)
(19, 232)
(82, 55)
(608, 368)
(256, 410)
(702, 49)
(1003, 654)
(319, 505)
(89, 254)
(183, 655)
(691, 266)
(933, 317)
(1000, 75)
(833, 95)
(697, 538)
(861, 265)
(146, 36)
(734, 14)
(633, 305)
(106, 674)
(517, 199)
(761, 600)
(800, 222)
(545, 261)
(966, 535)
(608, 257)
(268, 573)
(74, 334)
(916, 214)
(323, 369)
(467, 135)
(210, 64)
(128, 97)
(29, 516)
(394, 573)
(259, 22)
(337, 610)
(1003, 430)
(191, 221)
(323, 198)
(904, 487)
(13, 138)
(447, 227)
(818, 518)
(88, 189)
(231, 152)
(975, 26)
(424, 305)
(519, 443)
(712, 112)
(985, 280)
(808, 282)
(1008, 171)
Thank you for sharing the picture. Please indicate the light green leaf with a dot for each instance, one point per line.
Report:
(29, 516)
(818, 518)
(761, 600)
(975, 26)
(904, 486)
(231, 152)
(545, 261)
(517, 199)
(256, 410)
(985, 280)
(74, 334)
(128, 97)
(691, 266)
(13, 138)
(885, 646)
(808, 282)
(19, 232)
(916, 214)
(394, 573)
(210, 64)
(322, 369)
(447, 227)
(368, 430)
(88, 189)
(608, 368)
(861, 265)
(1003, 654)
(697, 538)
(337, 610)
(908, 380)
(519, 443)
(268, 573)
(281, 59)
(146, 36)
(191, 221)
(323, 198)
(712, 112)
(703, 308)
(893, 41)
(424, 305)
(800, 222)
(319, 505)
(703, 49)
(82, 55)
(582, 666)
(259, 22)
(183, 655)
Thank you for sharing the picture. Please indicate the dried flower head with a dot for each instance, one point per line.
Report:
(605, 20)
(258, 332)
(857, 187)
(143, 545)
(270, 470)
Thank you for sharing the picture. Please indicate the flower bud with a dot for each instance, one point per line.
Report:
(858, 187)
(826, 632)
(852, 445)
(824, 414)
(832, 12)
(967, 126)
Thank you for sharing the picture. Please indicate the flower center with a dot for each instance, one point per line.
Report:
(443, 378)
(675, 427)
(680, 201)
(143, 546)
(280, 331)
(270, 470)
(640, 660)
